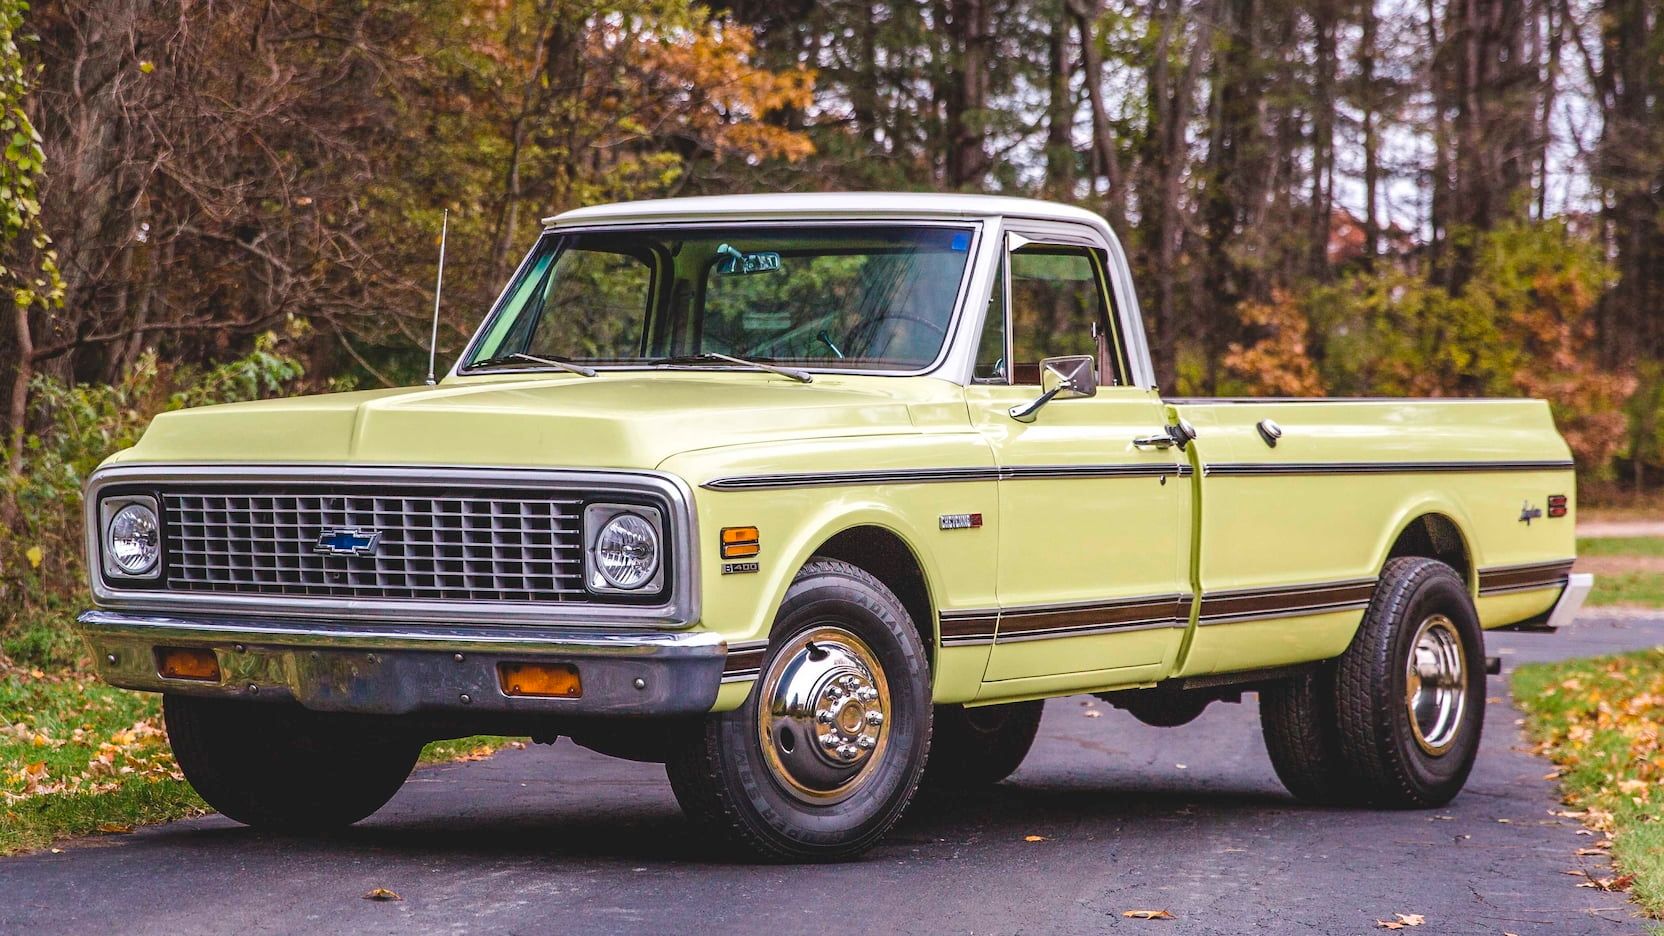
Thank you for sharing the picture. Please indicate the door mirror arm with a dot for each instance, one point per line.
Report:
(1061, 378)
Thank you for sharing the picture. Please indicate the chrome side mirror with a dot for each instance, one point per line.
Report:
(1061, 378)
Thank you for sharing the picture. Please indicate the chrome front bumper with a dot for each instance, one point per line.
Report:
(394, 669)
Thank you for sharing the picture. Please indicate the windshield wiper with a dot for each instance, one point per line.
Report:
(568, 366)
(791, 372)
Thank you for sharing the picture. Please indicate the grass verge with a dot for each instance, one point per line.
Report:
(1599, 721)
(80, 758)
(1629, 571)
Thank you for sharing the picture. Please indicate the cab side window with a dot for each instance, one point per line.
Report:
(990, 352)
(1059, 306)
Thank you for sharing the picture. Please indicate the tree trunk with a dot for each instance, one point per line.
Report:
(1369, 100)
(1060, 110)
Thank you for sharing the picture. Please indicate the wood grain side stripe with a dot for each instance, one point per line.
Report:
(1228, 607)
(1501, 579)
(964, 628)
(1036, 623)
(745, 660)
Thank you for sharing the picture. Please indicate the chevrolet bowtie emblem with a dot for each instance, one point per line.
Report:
(349, 541)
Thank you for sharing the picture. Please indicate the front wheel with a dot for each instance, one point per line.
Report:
(828, 748)
(1410, 690)
(282, 767)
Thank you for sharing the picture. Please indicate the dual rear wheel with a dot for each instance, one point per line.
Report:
(1396, 720)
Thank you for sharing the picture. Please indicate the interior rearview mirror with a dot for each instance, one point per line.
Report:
(731, 261)
(1061, 378)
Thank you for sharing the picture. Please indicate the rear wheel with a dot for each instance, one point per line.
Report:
(282, 767)
(1411, 688)
(827, 750)
(1297, 719)
(978, 747)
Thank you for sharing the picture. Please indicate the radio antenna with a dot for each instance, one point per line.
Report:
(438, 287)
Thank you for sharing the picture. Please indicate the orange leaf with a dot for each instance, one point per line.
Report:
(1148, 915)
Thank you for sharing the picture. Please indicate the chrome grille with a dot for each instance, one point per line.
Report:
(437, 543)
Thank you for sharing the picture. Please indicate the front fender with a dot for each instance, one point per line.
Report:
(794, 521)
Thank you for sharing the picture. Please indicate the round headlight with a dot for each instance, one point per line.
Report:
(627, 551)
(134, 539)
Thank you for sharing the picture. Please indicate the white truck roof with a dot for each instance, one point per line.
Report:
(824, 205)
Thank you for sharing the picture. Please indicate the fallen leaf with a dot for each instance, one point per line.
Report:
(1148, 915)
(1401, 920)
(1586, 852)
(1092, 713)
(381, 893)
(1034, 838)
(1506, 821)
(114, 828)
(1182, 766)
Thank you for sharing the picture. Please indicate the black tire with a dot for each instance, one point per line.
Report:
(732, 788)
(1391, 756)
(1302, 735)
(978, 747)
(284, 768)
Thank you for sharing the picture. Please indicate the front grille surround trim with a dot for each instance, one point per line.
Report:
(561, 597)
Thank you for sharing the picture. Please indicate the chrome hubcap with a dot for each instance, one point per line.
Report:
(823, 714)
(1436, 684)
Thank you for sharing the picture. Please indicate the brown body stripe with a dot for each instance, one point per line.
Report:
(1110, 615)
(963, 628)
(1293, 600)
(744, 661)
(960, 627)
(1524, 577)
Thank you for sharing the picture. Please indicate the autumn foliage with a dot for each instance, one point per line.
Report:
(1522, 324)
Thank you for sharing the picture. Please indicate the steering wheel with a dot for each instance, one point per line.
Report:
(868, 324)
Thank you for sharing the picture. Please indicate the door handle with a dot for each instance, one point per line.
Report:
(1158, 440)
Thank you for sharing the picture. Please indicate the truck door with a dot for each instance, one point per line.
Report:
(1094, 522)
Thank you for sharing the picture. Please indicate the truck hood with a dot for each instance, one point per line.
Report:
(615, 420)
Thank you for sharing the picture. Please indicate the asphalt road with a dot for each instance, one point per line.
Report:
(1189, 820)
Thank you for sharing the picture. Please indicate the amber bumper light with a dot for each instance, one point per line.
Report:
(540, 680)
(188, 663)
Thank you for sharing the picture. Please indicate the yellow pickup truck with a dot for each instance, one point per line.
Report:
(813, 498)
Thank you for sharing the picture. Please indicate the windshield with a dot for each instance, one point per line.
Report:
(861, 297)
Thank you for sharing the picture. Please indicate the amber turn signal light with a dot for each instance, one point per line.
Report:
(188, 663)
(739, 542)
(542, 680)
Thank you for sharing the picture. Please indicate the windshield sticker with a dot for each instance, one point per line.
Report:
(961, 242)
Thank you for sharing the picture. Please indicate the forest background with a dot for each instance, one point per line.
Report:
(205, 201)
